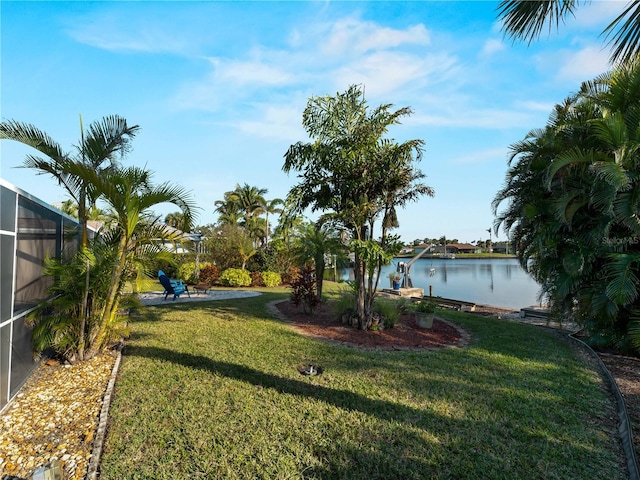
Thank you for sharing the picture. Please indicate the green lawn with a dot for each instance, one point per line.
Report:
(211, 390)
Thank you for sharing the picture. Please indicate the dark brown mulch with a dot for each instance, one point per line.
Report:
(405, 335)
(626, 372)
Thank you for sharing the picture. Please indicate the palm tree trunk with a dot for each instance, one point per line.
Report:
(111, 304)
(358, 271)
(82, 215)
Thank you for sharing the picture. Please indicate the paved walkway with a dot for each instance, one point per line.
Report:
(157, 298)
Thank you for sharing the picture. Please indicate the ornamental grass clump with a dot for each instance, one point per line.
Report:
(390, 311)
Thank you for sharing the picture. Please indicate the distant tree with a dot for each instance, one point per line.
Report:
(271, 206)
(230, 246)
(312, 246)
(70, 208)
(228, 210)
(176, 220)
(250, 200)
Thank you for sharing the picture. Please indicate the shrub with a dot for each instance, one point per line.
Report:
(303, 290)
(424, 306)
(344, 302)
(290, 275)
(186, 272)
(235, 277)
(256, 279)
(271, 279)
(209, 274)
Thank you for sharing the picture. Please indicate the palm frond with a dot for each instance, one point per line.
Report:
(624, 34)
(526, 19)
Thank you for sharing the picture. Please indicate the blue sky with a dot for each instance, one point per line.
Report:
(218, 88)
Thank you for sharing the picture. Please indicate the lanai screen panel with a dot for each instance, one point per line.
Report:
(38, 237)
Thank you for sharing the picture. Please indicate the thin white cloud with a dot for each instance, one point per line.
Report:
(118, 34)
(483, 156)
(599, 13)
(535, 106)
(327, 56)
(276, 121)
(353, 36)
(473, 118)
(492, 46)
(584, 64)
(249, 72)
(384, 72)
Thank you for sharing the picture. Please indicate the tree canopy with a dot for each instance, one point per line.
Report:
(355, 176)
(570, 204)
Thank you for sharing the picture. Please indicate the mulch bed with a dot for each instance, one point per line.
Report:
(405, 335)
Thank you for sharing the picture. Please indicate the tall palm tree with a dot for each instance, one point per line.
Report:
(345, 172)
(525, 20)
(175, 220)
(100, 148)
(271, 207)
(70, 208)
(228, 210)
(249, 199)
(244, 204)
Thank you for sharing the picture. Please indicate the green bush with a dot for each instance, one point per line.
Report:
(186, 272)
(235, 277)
(271, 279)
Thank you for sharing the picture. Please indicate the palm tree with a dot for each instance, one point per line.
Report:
(131, 194)
(313, 244)
(271, 206)
(345, 173)
(175, 220)
(70, 208)
(105, 141)
(244, 204)
(525, 19)
(249, 199)
(572, 195)
(228, 209)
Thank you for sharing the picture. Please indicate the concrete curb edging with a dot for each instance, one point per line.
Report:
(96, 454)
(624, 430)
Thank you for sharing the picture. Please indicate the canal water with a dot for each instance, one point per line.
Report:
(499, 282)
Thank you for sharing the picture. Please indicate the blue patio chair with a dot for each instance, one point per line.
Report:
(173, 287)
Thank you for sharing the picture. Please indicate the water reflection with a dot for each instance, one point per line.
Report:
(500, 282)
